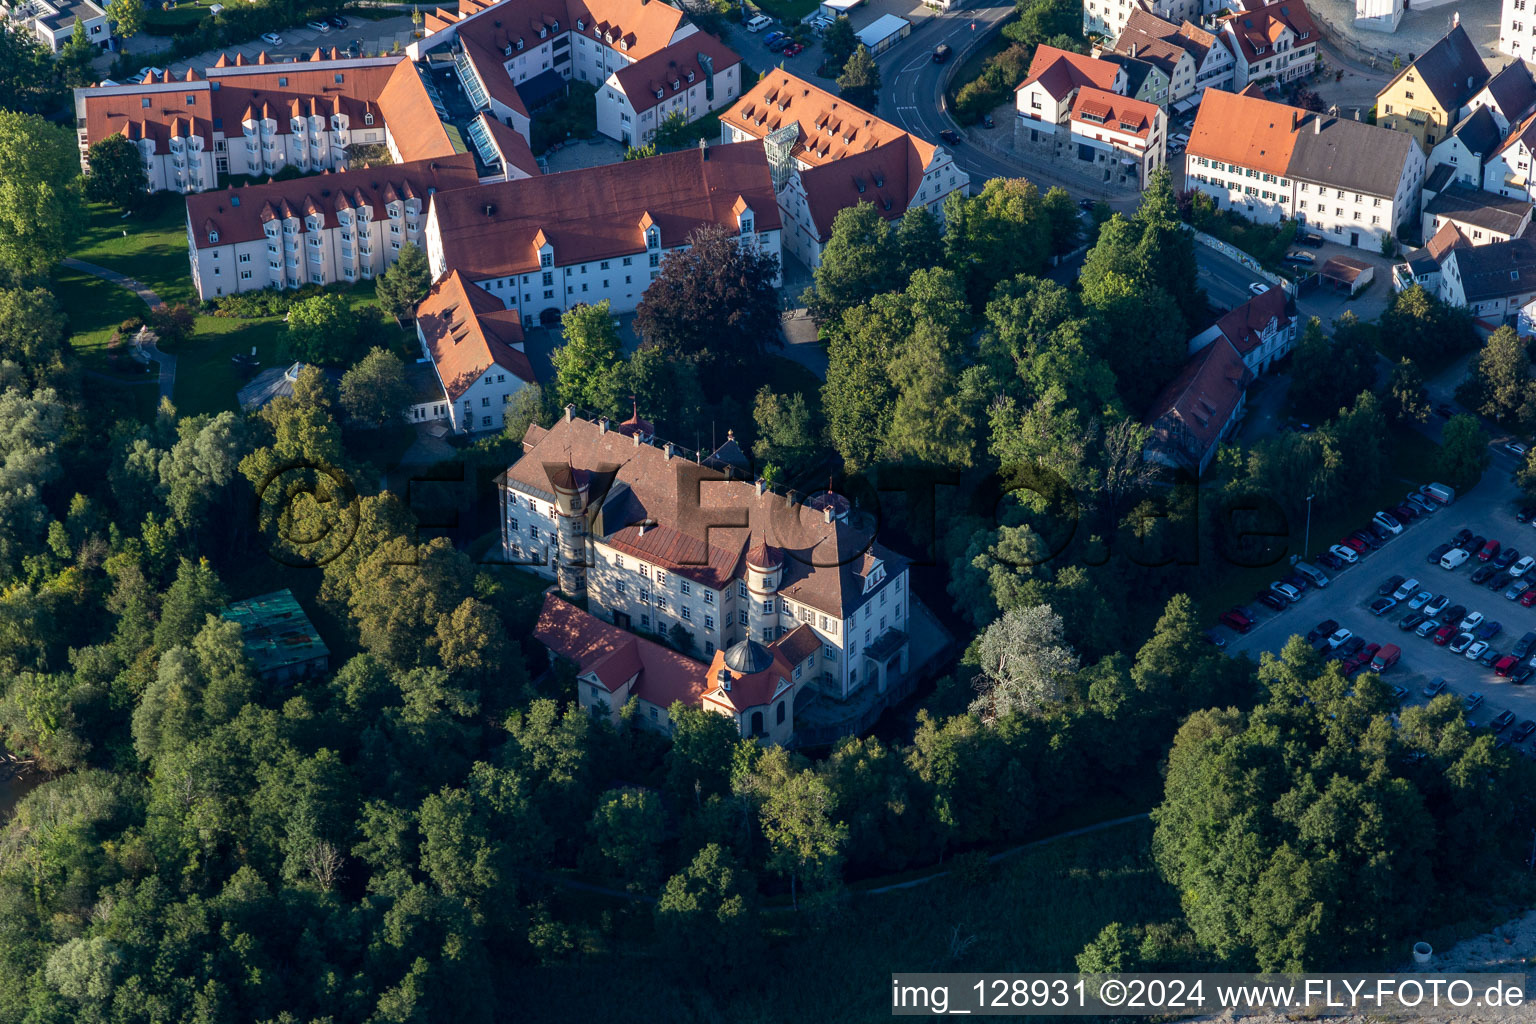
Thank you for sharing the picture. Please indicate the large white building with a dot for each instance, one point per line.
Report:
(546, 244)
(1277, 42)
(324, 229)
(1351, 182)
(656, 541)
(53, 21)
(513, 55)
(258, 118)
(1108, 18)
(826, 155)
(475, 346)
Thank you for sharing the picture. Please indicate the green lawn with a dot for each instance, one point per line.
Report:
(95, 308)
(788, 11)
(205, 379)
(153, 249)
(179, 19)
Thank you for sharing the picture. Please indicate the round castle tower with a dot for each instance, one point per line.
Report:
(571, 527)
(765, 572)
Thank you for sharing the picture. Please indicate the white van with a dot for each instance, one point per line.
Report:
(1454, 558)
(758, 23)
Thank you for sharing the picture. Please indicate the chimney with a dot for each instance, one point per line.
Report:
(1133, 51)
(667, 448)
(703, 149)
(724, 676)
(760, 486)
(602, 425)
(1455, 19)
(1357, 113)
(641, 531)
(826, 513)
(1317, 124)
(570, 413)
(789, 498)
(636, 437)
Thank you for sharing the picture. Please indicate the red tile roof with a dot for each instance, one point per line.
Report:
(749, 689)
(1260, 28)
(412, 120)
(667, 71)
(1244, 325)
(830, 128)
(1116, 113)
(514, 149)
(1244, 130)
(467, 331)
(1061, 71)
(616, 656)
(1187, 419)
(595, 213)
(113, 111)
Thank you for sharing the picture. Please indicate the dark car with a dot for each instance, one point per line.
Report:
(1411, 621)
(1489, 630)
(1405, 512)
(1310, 240)
(1352, 645)
(1523, 645)
(1503, 721)
(1500, 581)
(779, 44)
(1301, 583)
(1524, 515)
(1507, 558)
(1489, 657)
(1393, 582)
(1321, 630)
(950, 136)
(1270, 600)
(1438, 552)
(337, 21)
(1522, 675)
(1455, 613)
(1329, 560)
(1214, 639)
(941, 53)
(1444, 410)
(1475, 544)
(1235, 619)
(1523, 731)
(1462, 536)
(1382, 605)
(1483, 573)
(1381, 533)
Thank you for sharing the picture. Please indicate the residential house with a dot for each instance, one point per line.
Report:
(1351, 182)
(1124, 140)
(475, 346)
(1198, 409)
(1481, 217)
(1510, 95)
(1191, 58)
(825, 155)
(1422, 266)
(542, 245)
(324, 229)
(1074, 109)
(1430, 95)
(1145, 80)
(1464, 151)
(1107, 18)
(1277, 42)
(1517, 30)
(658, 542)
(52, 22)
(513, 56)
(1054, 77)
(1508, 170)
(1494, 282)
(1262, 330)
(259, 118)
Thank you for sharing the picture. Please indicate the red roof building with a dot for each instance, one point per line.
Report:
(1199, 408)
(475, 345)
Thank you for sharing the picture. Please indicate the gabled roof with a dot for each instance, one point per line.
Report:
(1188, 417)
(673, 70)
(513, 148)
(1451, 70)
(1060, 71)
(1349, 154)
(467, 331)
(1116, 113)
(595, 213)
(1467, 205)
(831, 128)
(1163, 53)
(615, 656)
(884, 176)
(240, 214)
(1523, 133)
(1244, 326)
(1244, 130)
(1478, 131)
(748, 688)
(1512, 90)
(1256, 31)
(1497, 270)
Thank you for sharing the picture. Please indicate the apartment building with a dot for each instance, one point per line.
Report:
(52, 22)
(1052, 83)
(475, 346)
(324, 229)
(1118, 139)
(1517, 30)
(825, 155)
(545, 244)
(1262, 330)
(1107, 18)
(1149, 38)
(1074, 109)
(1277, 42)
(1481, 217)
(1434, 92)
(1351, 182)
(660, 543)
(257, 118)
(514, 55)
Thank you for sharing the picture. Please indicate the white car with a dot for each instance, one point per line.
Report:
(1403, 592)
(1344, 554)
(1471, 622)
(1338, 638)
(273, 38)
(1258, 287)
(1476, 650)
(147, 70)
(1427, 627)
(759, 23)
(1516, 448)
(1387, 522)
(318, 26)
(1454, 558)
(1437, 606)
(1420, 599)
(1522, 567)
(1286, 591)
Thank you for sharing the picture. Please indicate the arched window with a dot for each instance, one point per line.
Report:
(781, 713)
(757, 723)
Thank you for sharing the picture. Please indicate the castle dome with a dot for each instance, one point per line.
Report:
(748, 658)
(765, 556)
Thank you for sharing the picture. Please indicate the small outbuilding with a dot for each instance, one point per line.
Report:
(1346, 274)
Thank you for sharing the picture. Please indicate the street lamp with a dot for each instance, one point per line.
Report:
(1306, 550)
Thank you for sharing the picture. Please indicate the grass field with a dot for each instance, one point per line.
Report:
(153, 250)
(1034, 912)
(788, 11)
(95, 308)
(205, 379)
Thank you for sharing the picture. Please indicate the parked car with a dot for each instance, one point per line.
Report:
(318, 26)
(1436, 553)
(1377, 531)
(1321, 630)
(1419, 600)
(1270, 600)
(1286, 591)
(1329, 560)
(1463, 641)
(772, 37)
(1500, 580)
(1427, 627)
(1516, 448)
(1295, 579)
(758, 23)
(778, 44)
(1504, 720)
(1311, 573)
(1525, 514)
(1462, 536)
(1523, 566)
(1355, 543)
(272, 38)
(1310, 239)
(1454, 558)
(1406, 589)
(1505, 665)
(1524, 645)
(1422, 503)
(1405, 512)
(1476, 544)
(1345, 554)
(1339, 638)
(1385, 656)
(1213, 638)
(1258, 287)
(1472, 621)
(1355, 662)
(950, 136)
(1300, 256)
(793, 50)
(1435, 688)
(1386, 589)
(1382, 605)
(1352, 645)
(1444, 410)
(1515, 589)
(1444, 635)
(1400, 693)
(1506, 558)
(1523, 731)
(1490, 655)
(1528, 598)
(337, 21)
(1455, 613)
(1490, 549)
(1483, 573)
(1437, 605)
(1411, 621)
(1489, 630)
(1387, 521)
(1522, 676)
(1236, 620)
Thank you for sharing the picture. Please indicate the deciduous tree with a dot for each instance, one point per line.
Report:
(117, 174)
(589, 367)
(1023, 661)
(859, 83)
(374, 391)
(40, 211)
(321, 329)
(401, 288)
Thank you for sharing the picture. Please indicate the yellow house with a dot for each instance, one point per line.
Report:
(1430, 95)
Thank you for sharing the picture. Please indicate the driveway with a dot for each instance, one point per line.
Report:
(299, 42)
(1488, 510)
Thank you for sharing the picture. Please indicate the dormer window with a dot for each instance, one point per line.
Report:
(581, 25)
(546, 259)
(519, 43)
(676, 85)
(746, 223)
(368, 118)
(213, 236)
(543, 32)
(690, 76)
(660, 93)
(556, 26)
(652, 237)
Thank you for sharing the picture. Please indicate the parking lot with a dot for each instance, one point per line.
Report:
(1489, 511)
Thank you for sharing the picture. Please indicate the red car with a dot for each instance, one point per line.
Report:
(1354, 542)
(1528, 598)
(1360, 658)
(792, 49)
(1489, 550)
(1443, 635)
(1505, 665)
(1236, 620)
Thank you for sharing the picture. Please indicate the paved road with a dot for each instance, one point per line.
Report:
(165, 359)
